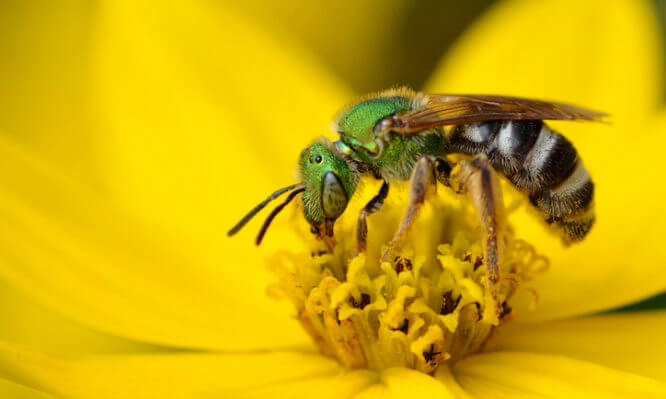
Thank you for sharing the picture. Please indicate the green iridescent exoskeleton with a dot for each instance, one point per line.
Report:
(392, 159)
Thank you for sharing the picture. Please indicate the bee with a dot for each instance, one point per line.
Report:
(464, 142)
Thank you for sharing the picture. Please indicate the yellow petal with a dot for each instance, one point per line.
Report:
(35, 326)
(631, 342)
(45, 52)
(343, 385)
(187, 150)
(207, 115)
(357, 43)
(203, 114)
(182, 375)
(76, 252)
(604, 55)
(12, 390)
(405, 383)
(527, 375)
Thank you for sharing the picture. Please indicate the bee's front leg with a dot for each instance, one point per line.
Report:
(371, 207)
(421, 182)
(324, 233)
(479, 179)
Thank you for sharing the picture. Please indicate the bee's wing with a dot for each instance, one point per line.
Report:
(445, 109)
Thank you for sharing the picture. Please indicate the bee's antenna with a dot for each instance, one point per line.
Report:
(259, 207)
(274, 213)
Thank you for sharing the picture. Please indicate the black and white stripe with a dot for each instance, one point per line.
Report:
(538, 161)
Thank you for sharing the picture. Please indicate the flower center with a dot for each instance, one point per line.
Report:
(428, 305)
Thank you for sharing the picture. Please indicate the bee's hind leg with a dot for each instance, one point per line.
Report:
(479, 179)
(371, 207)
(421, 181)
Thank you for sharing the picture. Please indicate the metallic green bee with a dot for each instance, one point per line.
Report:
(402, 135)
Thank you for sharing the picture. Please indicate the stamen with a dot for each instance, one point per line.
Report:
(427, 307)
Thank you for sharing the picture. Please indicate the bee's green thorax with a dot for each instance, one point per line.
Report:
(315, 161)
(402, 152)
(356, 128)
(361, 118)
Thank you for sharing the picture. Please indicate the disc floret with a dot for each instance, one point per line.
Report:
(425, 307)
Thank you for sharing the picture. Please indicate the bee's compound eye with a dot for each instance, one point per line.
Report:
(318, 159)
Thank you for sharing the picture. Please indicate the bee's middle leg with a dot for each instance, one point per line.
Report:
(478, 178)
(371, 207)
(422, 180)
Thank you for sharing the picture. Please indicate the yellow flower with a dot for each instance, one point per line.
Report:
(197, 112)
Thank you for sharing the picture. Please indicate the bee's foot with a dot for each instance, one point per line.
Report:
(386, 255)
(359, 251)
(330, 243)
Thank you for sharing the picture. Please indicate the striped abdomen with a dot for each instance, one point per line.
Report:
(538, 161)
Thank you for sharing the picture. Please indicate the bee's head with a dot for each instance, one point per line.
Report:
(326, 183)
(329, 183)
